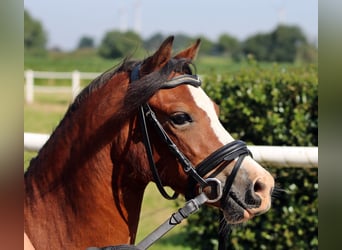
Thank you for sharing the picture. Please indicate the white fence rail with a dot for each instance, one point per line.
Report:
(74, 76)
(275, 156)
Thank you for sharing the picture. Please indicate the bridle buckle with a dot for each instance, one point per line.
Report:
(215, 191)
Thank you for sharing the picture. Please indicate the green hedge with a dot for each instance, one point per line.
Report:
(274, 106)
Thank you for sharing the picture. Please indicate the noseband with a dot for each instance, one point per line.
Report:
(218, 160)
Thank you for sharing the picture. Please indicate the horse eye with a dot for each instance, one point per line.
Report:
(181, 118)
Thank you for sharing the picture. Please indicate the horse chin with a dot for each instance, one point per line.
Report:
(234, 213)
(237, 218)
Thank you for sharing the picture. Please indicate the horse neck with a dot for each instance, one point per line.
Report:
(73, 182)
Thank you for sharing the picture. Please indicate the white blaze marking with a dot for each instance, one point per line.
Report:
(204, 103)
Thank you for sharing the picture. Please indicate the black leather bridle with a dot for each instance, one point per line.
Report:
(218, 160)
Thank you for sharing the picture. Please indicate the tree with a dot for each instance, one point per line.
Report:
(307, 53)
(86, 42)
(286, 40)
(259, 46)
(182, 41)
(280, 45)
(153, 42)
(116, 44)
(229, 45)
(207, 46)
(35, 37)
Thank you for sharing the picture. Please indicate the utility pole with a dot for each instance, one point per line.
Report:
(123, 18)
(137, 16)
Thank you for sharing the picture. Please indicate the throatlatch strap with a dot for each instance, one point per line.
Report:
(184, 161)
(150, 157)
(145, 111)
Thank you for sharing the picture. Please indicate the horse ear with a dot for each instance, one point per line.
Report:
(191, 52)
(159, 58)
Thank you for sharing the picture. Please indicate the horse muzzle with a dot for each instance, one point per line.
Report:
(246, 187)
(250, 195)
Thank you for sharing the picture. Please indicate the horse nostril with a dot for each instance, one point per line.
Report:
(259, 186)
(253, 197)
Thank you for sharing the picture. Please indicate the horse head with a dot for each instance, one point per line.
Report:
(189, 119)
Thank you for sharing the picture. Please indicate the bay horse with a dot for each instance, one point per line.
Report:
(140, 122)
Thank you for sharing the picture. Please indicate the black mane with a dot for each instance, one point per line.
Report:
(139, 91)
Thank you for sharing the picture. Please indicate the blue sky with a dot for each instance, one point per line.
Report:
(66, 21)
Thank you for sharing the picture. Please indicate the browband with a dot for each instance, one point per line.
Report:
(192, 80)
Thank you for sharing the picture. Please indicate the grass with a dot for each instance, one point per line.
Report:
(44, 115)
(89, 61)
(86, 61)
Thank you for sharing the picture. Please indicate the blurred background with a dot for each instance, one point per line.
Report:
(267, 50)
(226, 27)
